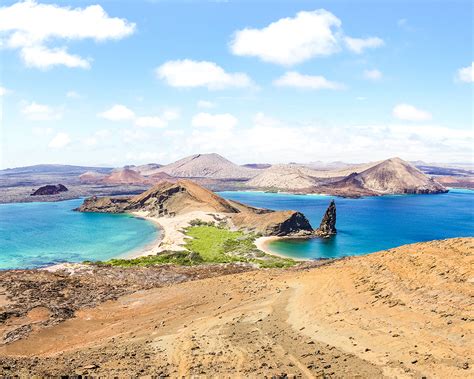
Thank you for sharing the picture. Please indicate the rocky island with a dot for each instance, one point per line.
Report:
(50, 189)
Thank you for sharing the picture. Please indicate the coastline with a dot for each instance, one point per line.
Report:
(262, 244)
(171, 237)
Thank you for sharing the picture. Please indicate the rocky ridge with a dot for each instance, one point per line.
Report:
(169, 199)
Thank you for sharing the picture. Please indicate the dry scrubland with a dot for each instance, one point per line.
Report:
(406, 312)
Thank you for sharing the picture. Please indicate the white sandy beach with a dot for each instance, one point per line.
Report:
(171, 235)
(172, 238)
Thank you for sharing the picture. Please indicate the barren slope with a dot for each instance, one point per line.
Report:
(406, 312)
(207, 166)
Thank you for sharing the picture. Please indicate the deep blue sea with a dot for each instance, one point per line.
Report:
(40, 234)
(371, 224)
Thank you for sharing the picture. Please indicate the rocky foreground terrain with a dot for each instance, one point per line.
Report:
(405, 312)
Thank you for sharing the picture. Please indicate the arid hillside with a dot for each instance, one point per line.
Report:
(207, 166)
(404, 313)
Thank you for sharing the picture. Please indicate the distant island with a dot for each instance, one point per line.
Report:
(387, 177)
(50, 189)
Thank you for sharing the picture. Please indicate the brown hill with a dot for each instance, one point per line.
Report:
(184, 196)
(207, 166)
(92, 177)
(392, 176)
(285, 177)
(124, 176)
(395, 176)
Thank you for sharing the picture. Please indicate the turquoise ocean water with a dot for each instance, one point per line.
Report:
(371, 224)
(41, 234)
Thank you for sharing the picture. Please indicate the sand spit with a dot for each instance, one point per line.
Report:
(406, 312)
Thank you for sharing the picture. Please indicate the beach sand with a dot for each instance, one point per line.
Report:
(171, 231)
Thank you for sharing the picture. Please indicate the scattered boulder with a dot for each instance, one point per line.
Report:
(50, 189)
(328, 223)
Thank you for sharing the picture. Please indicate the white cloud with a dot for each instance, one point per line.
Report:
(118, 112)
(297, 80)
(373, 74)
(290, 40)
(30, 26)
(408, 112)
(44, 58)
(188, 73)
(205, 104)
(150, 122)
(60, 140)
(3, 91)
(40, 112)
(73, 95)
(358, 45)
(220, 121)
(171, 114)
(466, 74)
(41, 132)
(271, 140)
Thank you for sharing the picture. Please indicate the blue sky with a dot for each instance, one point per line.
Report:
(130, 82)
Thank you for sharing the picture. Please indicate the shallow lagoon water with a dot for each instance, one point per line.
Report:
(372, 223)
(40, 234)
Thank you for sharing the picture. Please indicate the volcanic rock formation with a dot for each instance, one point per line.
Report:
(50, 189)
(327, 228)
(184, 196)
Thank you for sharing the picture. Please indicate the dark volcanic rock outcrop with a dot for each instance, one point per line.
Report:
(183, 196)
(50, 189)
(328, 223)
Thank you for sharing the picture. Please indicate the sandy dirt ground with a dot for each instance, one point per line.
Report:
(406, 312)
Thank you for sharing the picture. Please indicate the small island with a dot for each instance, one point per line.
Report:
(50, 189)
(201, 227)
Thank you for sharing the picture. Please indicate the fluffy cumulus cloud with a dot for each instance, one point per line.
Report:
(219, 121)
(60, 140)
(150, 122)
(32, 27)
(466, 74)
(118, 112)
(272, 140)
(409, 112)
(205, 104)
(297, 80)
(289, 41)
(373, 74)
(187, 73)
(40, 112)
(358, 45)
(3, 91)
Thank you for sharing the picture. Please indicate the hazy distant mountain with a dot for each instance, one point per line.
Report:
(124, 176)
(396, 176)
(392, 176)
(207, 166)
(259, 166)
(285, 177)
(146, 169)
(53, 169)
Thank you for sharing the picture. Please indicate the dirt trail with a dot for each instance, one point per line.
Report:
(403, 313)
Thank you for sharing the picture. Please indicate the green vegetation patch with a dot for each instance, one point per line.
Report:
(209, 244)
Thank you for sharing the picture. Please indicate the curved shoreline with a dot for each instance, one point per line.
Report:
(262, 244)
(171, 238)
